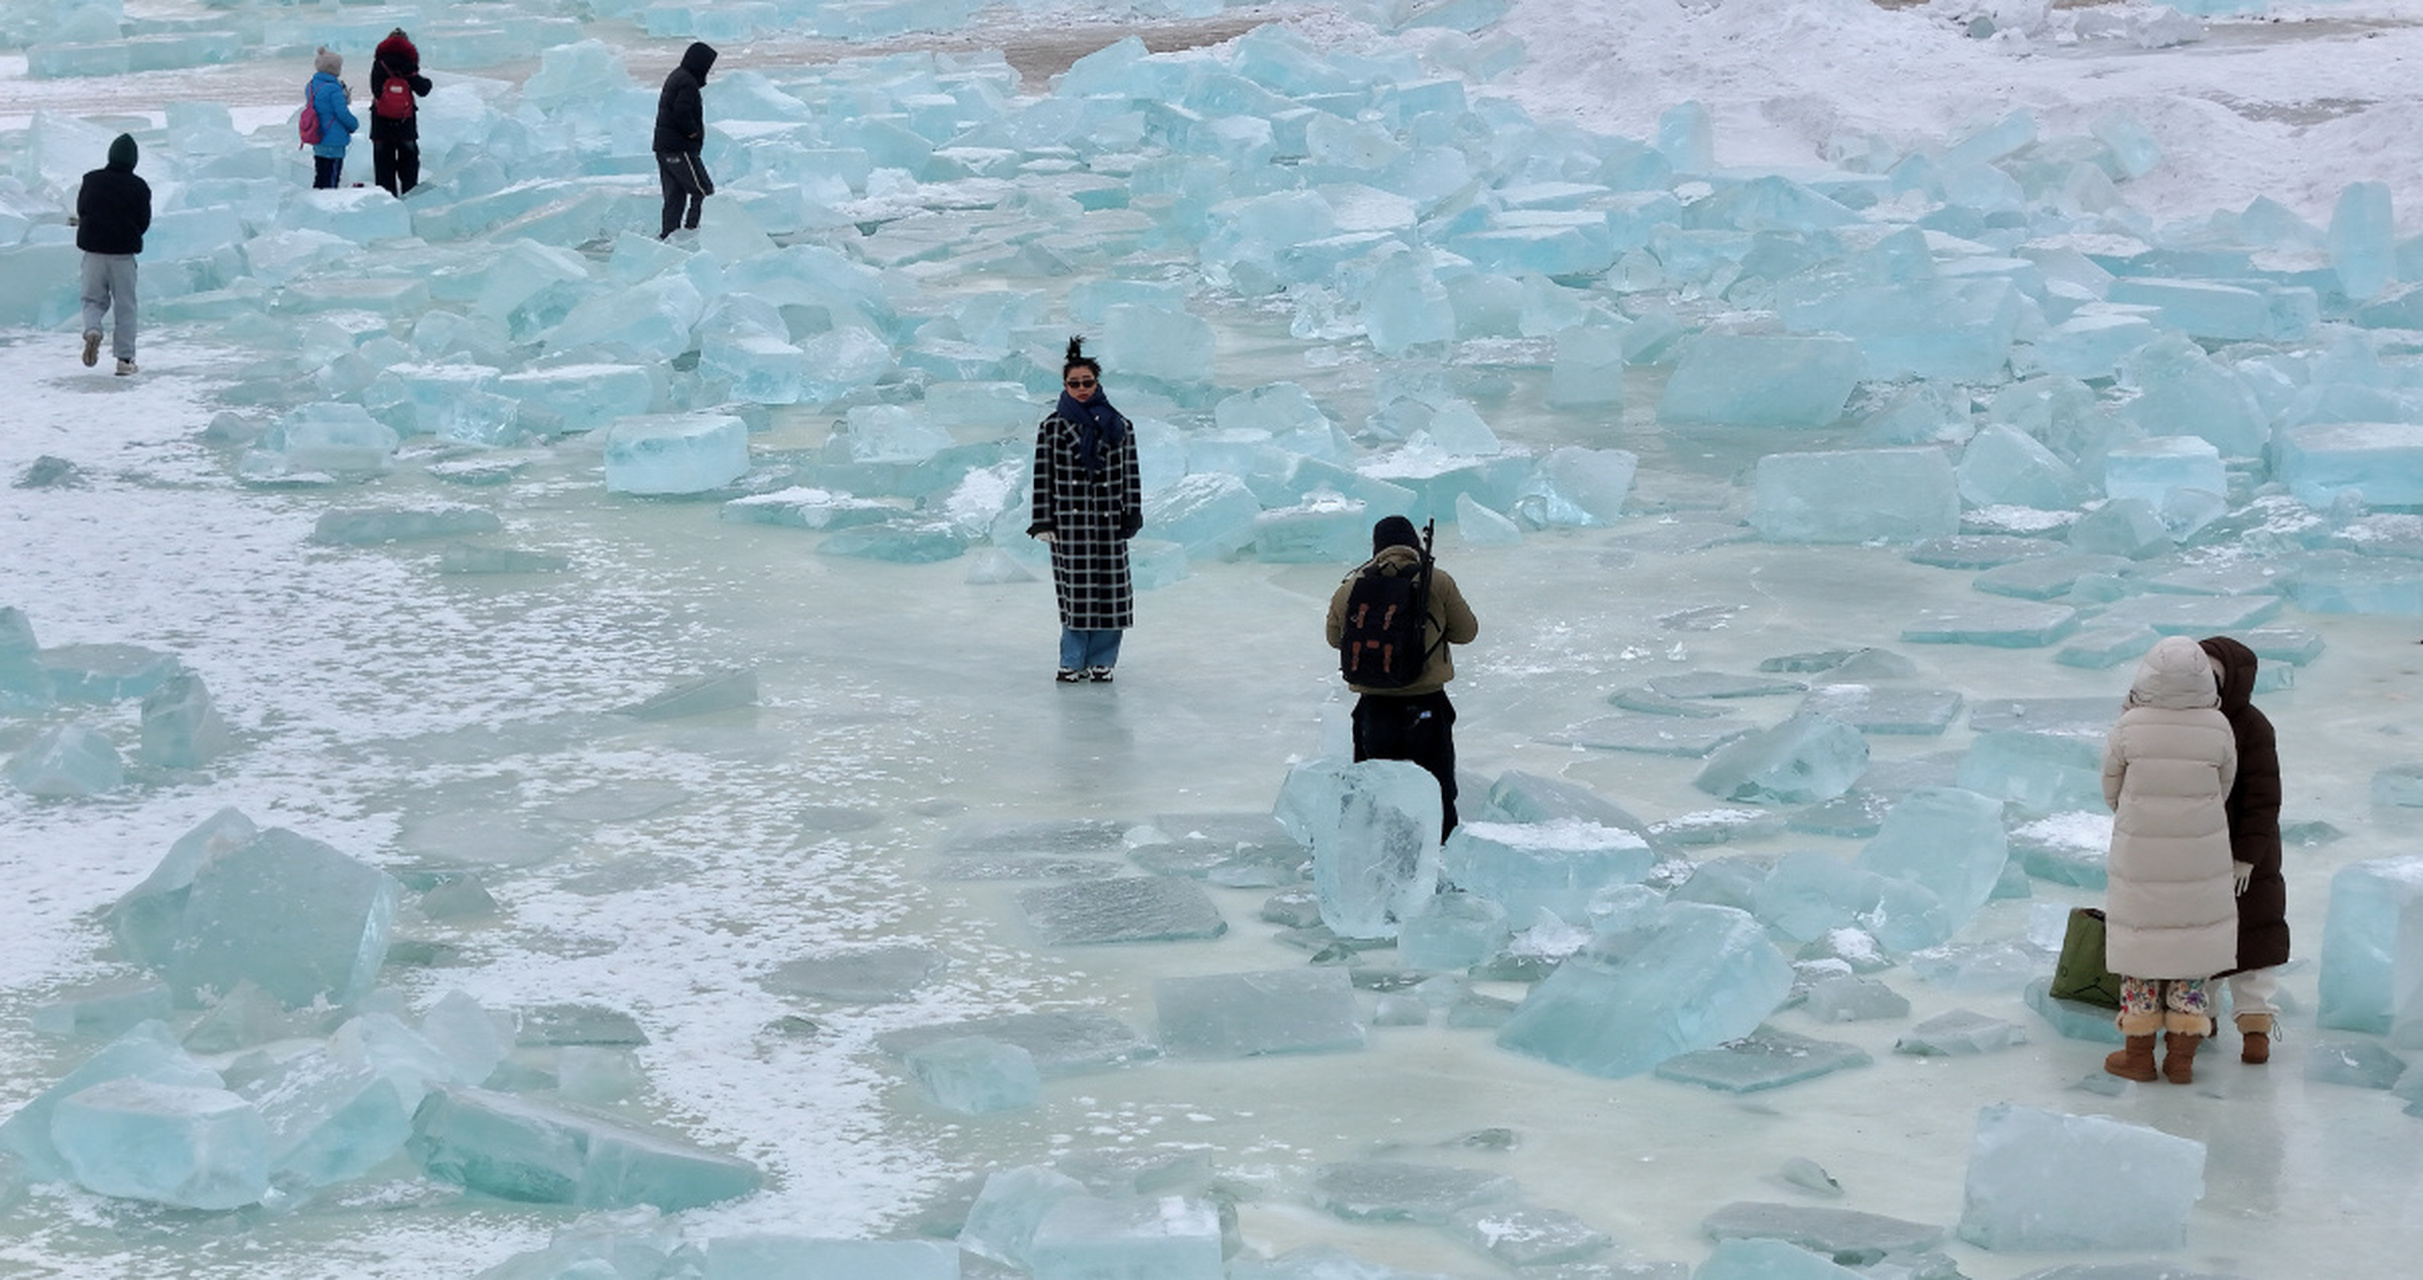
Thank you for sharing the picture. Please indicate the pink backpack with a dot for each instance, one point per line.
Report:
(309, 124)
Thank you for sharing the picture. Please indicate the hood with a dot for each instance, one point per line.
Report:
(697, 59)
(328, 62)
(397, 47)
(2176, 676)
(2235, 664)
(122, 153)
(1394, 531)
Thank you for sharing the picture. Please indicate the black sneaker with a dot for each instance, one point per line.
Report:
(1099, 675)
(1068, 675)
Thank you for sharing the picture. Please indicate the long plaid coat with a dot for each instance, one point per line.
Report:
(1090, 517)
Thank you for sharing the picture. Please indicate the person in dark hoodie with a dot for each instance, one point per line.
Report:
(113, 210)
(395, 125)
(2254, 837)
(681, 130)
(1412, 721)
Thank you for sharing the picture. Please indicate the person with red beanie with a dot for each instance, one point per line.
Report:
(396, 83)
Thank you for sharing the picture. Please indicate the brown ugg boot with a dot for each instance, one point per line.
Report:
(2135, 1061)
(2179, 1057)
(2255, 1038)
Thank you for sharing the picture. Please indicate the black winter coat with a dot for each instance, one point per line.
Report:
(396, 59)
(113, 210)
(681, 119)
(2254, 811)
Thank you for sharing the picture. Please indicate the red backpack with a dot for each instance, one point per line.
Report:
(309, 123)
(395, 96)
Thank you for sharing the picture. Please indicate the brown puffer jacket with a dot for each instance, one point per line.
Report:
(1450, 618)
(2167, 770)
(2254, 810)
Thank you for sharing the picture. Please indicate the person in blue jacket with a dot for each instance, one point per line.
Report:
(329, 97)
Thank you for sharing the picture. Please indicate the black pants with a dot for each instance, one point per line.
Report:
(327, 172)
(397, 163)
(687, 187)
(1416, 727)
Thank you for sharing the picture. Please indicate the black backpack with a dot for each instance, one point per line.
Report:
(1382, 646)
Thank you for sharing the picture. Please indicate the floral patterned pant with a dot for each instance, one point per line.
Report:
(2153, 995)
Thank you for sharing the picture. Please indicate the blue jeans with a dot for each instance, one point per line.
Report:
(1082, 649)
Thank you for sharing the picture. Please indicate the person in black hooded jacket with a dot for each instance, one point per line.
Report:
(113, 210)
(681, 130)
(2254, 839)
(395, 132)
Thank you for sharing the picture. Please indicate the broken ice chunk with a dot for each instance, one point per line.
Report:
(2040, 1180)
(67, 762)
(1121, 909)
(1854, 1000)
(1451, 933)
(1806, 759)
(181, 729)
(1764, 1059)
(1062, 1043)
(1692, 977)
(875, 975)
(973, 1075)
(107, 672)
(1848, 1237)
(1524, 1235)
(675, 453)
(1001, 1224)
(1240, 1015)
(296, 916)
(1553, 866)
(1401, 1191)
(1165, 1237)
(524, 1149)
(1374, 831)
(1960, 1033)
(191, 1146)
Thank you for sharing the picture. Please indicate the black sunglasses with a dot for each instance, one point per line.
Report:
(1081, 382)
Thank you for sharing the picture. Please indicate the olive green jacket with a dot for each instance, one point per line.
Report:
(1449, 617)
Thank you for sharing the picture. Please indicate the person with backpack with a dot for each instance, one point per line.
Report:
(396, 84)
(328, 123)
(1089, 500)
(1392, 621)
(113, 210)
(2254, 839)
(681, 132)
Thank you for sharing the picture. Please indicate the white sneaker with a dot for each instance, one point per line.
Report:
(92, 347)
(125, 368)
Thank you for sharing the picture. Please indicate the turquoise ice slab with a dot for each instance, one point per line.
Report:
(1526, 1235)
(2186, 615)
(1554, 866)
(975, 1075)
(872, 975)
(1065, 1042)
(1874, 709)
(1804, 760)
(1241, 1015)
(1693, 977)
(1764, 1059)
(291, 914)
(190, 1146)
(2003, 624)
(1089, 1237)
(519, 1148)
(1960, 1033)
(1847, 1236)
(1404, 1191)
(148, 1052)
(1121, 909)
(2041, 1180)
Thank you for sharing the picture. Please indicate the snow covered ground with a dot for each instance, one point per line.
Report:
(664, 868)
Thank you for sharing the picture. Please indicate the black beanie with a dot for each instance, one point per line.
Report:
(1393, 531)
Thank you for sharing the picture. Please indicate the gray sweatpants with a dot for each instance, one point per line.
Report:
(109, 282)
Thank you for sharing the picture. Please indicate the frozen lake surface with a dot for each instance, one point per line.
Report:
(439, 724)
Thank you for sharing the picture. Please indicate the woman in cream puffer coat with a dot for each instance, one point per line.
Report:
(2171, 913)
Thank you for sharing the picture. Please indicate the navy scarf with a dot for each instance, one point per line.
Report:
(1097, 423)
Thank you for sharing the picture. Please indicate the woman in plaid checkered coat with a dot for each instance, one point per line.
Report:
(1089, 500)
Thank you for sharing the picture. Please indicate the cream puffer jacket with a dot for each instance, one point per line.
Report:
(2167, 770)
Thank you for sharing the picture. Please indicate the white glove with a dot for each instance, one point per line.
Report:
(2241, 875)
(1044, 537)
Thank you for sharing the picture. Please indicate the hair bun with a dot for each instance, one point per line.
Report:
(1076, 347)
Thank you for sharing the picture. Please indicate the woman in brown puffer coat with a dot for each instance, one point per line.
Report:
(2171, 915)
(2254, 838)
